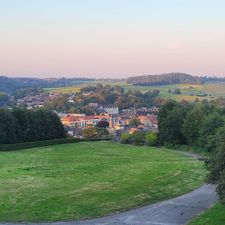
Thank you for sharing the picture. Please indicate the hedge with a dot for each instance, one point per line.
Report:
(27, 145)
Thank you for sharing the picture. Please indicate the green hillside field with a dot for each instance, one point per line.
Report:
(90, 179)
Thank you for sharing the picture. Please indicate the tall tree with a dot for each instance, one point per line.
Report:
(170, 120)
(8, 127)
(193, 123)
(216, 164)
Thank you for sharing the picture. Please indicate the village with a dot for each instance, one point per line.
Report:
(119, 121)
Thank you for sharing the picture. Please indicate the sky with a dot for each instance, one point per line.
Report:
(111, 38)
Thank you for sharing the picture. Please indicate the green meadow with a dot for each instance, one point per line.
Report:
(90, 179)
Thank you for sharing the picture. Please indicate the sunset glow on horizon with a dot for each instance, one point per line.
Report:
(111, 39)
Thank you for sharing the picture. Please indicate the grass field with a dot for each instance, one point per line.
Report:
(189, 92)
(82, 180)
(64, 90)
(214, 216)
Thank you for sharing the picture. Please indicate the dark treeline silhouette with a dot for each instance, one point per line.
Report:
(21, 125)
(10, 85)
(170, 78)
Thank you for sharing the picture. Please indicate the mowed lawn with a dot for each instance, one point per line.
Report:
(89, 179)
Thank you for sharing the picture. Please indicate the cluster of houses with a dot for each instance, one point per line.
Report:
(119, 121)
(36, 101)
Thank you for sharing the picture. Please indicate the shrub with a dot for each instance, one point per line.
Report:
(138, 138)
(90, 132)
(95, 132)
(126, 138)
(151, 139)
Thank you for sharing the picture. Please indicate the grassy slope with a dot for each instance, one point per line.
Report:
(81, 180)
(214, 216)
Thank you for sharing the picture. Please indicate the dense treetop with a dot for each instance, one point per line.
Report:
(104, 95)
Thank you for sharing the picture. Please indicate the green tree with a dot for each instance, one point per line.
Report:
(170, 120)
(95, 132)
(193, 123)
(209, 126)
(8, 127)
(134, 122)
(21, 115)
(216, 164)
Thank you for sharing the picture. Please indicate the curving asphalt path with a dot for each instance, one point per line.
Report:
(177, 211)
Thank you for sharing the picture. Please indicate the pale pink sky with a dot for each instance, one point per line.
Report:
(114, 39)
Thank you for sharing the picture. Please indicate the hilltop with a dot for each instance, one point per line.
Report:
(170, 78)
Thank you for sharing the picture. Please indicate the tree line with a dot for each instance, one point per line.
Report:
(20, 125)
(164, 79)
(103, 95)
(200, 125)
(171, 78)
(10, 85)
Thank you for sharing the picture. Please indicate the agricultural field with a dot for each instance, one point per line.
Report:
(76, 88)
(214, 216)
(90, 179)
(189, 92)
(64, 90)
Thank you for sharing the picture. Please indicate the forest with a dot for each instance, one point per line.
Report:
(170, 78)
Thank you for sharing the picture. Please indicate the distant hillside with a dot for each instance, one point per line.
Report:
(164, 79)
(170, 78)
(10, 85)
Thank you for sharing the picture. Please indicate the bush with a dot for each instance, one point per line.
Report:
(138, 138)
(126, 138)
(95, 132)
(151, 139)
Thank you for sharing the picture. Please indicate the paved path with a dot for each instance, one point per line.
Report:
(177, 211)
